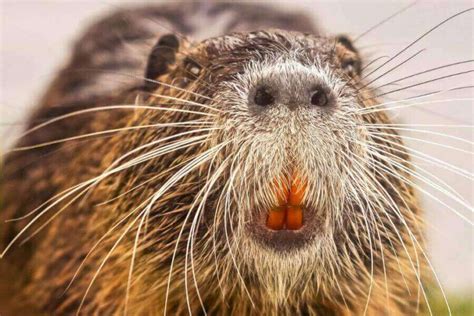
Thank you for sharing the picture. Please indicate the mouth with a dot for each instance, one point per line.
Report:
(289, 225)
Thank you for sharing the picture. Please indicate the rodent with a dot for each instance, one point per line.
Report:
(243, 159)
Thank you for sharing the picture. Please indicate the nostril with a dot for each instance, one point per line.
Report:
(263, 96)
(319, 98)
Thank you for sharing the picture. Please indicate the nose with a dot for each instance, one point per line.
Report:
(292, 95)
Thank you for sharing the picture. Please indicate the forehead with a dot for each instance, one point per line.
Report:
(276, 35)
(287, 71)
(268, 42)
(232, 53)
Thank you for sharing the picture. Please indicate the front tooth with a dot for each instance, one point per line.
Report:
(276, 218)
(282, 192)
(294, 217)
(297, 191)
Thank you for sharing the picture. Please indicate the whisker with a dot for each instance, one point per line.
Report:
(369, 237)
(207, 187)
(145, 182)
(155, 81)
(416, 104)
(167, 185)
(108, 108)
(421, 178)
(89, 189)
(227, 202)
(95, 180)
(110, 131)
(392, 69)
(420, 125)
(409, 231)
(416, 153)
(424, 141)
(394, 207)
(420, 84)
(166, 97)
(420, 38)
(413, 98)
(107, 256)
(385, 20)
(416, 167)
(423, 72)
(132, 263)
(117, 224)
(373, 61)
(203, 195)
(205, 155)
(125, 156)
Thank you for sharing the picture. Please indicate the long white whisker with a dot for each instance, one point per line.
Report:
(185, 101)
(108, 108)
(423, 72)
(119, 160)
(404, 179)
(427, 182)
(105, 174)
(111, 131)
(200, 208)
(394, 207)
(175, 178)
(393, 68)
(199, 160)
(418, 97)
(424, 141)
(403, 106)
(420, 155)
(419, 125)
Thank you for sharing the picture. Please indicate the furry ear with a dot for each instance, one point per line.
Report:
(345, 41)
(162, 55)
(350, 59)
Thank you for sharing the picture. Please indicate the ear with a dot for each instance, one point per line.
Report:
(348, 55)
(345, 41)
(162, 55)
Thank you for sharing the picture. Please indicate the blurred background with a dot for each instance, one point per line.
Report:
(36, 37)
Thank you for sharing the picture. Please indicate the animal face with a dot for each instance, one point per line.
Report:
(299, 185)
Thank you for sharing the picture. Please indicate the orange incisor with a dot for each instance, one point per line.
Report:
(288, 213)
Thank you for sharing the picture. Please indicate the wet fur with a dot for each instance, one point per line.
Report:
(331, 277)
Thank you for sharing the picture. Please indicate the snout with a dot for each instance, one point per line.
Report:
(292, 111)
(295, 94)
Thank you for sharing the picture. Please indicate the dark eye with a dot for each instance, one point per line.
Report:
(348, 65)
(351, 67)
(319, 98)
(263, 97)
(192, 67)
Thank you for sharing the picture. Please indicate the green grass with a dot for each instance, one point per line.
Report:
(461, 304)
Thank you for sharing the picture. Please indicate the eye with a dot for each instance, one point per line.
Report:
(192, 67)
(348, 65)
(263, 97)
(351, 67)
(195, 70)
(319, 98)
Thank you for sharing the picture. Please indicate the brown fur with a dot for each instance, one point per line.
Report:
(49, 261)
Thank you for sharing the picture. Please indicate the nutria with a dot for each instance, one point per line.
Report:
(238, 174)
